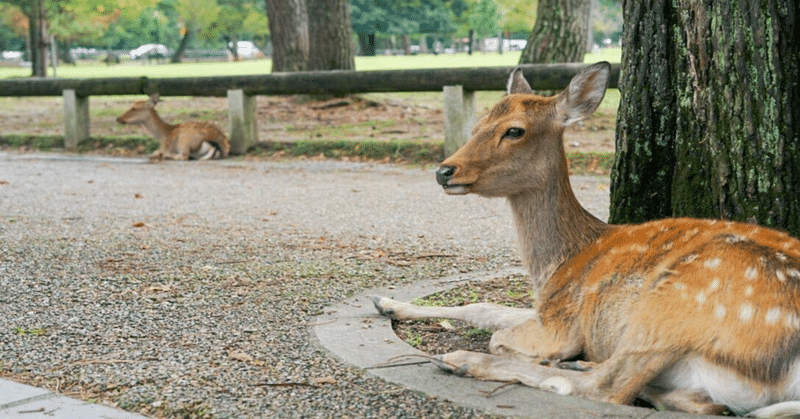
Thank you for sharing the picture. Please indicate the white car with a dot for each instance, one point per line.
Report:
(247, 49)
(149, 50)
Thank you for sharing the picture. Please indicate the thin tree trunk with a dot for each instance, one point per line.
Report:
(406, 44)
(331, 35)
(288, 27)
(177, 57)
(560, 32)
(708, 124)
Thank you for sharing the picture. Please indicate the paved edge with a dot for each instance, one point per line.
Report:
(27, 402)
(354, 333)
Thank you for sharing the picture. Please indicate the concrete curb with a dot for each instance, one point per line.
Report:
(353, 332)
(20, 401)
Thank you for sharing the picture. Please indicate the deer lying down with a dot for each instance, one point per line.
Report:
(690, 315)
(195, 140)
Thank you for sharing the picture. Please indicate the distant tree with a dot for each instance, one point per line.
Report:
(237, 19)
(288, 27)
(516, 16)
(196, 15)
(560, 32)
(330, 35)
(483, 17)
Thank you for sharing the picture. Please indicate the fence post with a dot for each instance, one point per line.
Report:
(76, 119)
(242, 116)
(459, 117)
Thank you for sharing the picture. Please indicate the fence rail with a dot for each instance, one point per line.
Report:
(457, 84)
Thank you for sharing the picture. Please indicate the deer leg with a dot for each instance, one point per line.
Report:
(698, 402)
(532, 339)
(483, 315)
(617, 380)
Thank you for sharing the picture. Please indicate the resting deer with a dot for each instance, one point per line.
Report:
(196, 140)
(690, 315)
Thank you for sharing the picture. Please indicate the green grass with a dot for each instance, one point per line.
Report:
(382, 62)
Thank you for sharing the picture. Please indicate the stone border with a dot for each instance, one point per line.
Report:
(353, 332)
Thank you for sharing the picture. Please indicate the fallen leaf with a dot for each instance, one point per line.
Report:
(3, 182)
(160, 288)
(139, 224)
(138, 196)
(324, 380)
(240, 356)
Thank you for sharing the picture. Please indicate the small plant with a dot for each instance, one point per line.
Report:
(34, 332)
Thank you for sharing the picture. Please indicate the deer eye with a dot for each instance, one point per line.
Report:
(514, 133)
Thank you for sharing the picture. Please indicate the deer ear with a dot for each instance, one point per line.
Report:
(517, 83)
(584, 93)
(154, 98)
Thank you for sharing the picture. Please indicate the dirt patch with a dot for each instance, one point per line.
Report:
(437, 336)
(401, 118)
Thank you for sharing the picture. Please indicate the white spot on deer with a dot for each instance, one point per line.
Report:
(735, 238)
(780, 256)
(701, 298)
(787, 244)
(793, 321)
(748, 291)
(773, 315)
(712, 263)
(714, 285)
(719, 311)
(794, 273)
(711, 222)
(750, 273)
(746, 312)
(690, 258)
(781, 276)
(680, 286)
(667, 245)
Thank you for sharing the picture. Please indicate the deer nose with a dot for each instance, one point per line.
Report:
(444, 174)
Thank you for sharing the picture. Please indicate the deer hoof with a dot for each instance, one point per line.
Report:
(461, 371)
(558, 385)
(384, 311)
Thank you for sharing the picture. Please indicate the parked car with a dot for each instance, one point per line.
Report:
(247, 49)
(149, 51)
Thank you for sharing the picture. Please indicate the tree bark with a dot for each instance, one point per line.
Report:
(331, 35)
(707, 125)
(559, 34)
(288, 27)
(177, 57)
(38, 36)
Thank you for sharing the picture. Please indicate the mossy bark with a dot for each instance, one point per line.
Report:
(708, 124)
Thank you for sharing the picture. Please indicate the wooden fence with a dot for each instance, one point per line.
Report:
(457, 84)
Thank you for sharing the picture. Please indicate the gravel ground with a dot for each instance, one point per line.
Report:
(187, 289)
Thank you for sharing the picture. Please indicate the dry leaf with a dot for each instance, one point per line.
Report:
(324, 380)
(139, 224)
(160, 288)
(138, 196)
(240, 356)
(447, 325)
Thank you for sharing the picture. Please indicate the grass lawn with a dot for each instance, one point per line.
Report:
(383, 62)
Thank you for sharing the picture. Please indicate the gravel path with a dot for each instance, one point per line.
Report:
(188, 289)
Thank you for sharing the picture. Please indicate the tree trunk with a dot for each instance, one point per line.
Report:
(331, 35)
(288, 27)
(707, 125)
(559, 34)
(366, 42)
(38, 44)
(406, 44)
(177, 57)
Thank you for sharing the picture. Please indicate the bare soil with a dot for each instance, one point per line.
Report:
(288, 118)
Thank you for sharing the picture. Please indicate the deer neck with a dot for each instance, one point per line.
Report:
(552, 227)
(156, 126)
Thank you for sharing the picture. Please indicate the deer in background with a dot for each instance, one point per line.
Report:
(195, 140)
(690, 315)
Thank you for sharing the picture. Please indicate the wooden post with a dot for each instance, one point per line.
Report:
(76, 119)
(459, 117)
(242, 116)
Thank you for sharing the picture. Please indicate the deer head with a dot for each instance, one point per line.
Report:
(518, 146)
(140, 112)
